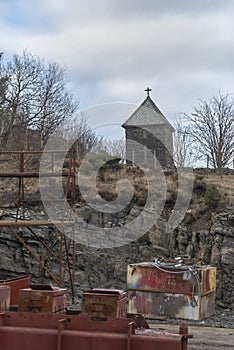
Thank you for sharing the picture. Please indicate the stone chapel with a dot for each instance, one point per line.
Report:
(149, 136)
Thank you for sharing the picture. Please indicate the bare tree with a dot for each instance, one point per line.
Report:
(183, 155)
(115, 147)
(76, 130)
(3, 88)
(211, 126)
(36, 96)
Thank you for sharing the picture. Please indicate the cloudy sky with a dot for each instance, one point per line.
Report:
(114, 49)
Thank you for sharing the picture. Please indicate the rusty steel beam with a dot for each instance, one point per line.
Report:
(37, 152)
(21, 174)
(33, 223)
(24, 331)
(48, 248)
(20, 239)
(36, 174)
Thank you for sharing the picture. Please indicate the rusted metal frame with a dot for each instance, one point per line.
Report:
(47, 247)
(19, 191)
(68, 332)
(61, 327)
(33, 223)
(34, 255)
(130, 331)
(73, 225)
(22, 174)
(62, 236)
(27, 174)
(36, 152)
(73, 262)
(20, 186)
(70, 182)
(2, 318)
(69, 267)
(60, 257)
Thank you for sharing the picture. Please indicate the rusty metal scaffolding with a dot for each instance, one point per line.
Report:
(19, 222)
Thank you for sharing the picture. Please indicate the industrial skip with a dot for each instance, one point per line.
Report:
(107, 327)
(171, 289)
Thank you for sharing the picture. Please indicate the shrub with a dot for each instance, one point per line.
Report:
(212, 197)
(199, 177)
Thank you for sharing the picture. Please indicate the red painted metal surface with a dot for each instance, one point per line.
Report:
(16, 284)
(5, 294)
(103, 303)
(26, 331)
(167, 279)
(153, 305)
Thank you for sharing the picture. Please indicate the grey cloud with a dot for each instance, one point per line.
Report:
(113, 48)
(162, 7)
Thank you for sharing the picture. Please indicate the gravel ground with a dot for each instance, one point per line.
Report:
(223, 318)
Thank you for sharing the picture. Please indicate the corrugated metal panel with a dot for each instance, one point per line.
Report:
(153, 304)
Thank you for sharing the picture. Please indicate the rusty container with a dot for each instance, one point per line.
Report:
(16, 284)
(169, 279)
(170, 290)
(5, 295)
(160, 305)
(42, 299)
(104, 303)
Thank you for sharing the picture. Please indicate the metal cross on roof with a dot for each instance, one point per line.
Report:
(148, 91)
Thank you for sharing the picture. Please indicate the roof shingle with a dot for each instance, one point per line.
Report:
(147, 114)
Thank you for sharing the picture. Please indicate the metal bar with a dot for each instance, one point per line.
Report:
(60, 257)
(47, 247)
(35, 223)
(73, 226)
(130, 331)
(71, 178)
(18, 202)
(26, 174)
(36, 152)
(34, 255)
(68, 263)
(73, 262)
(61, 326)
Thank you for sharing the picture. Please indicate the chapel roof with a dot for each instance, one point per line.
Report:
(147, 114)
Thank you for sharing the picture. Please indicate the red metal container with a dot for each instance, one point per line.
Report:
(103, 303)
(168, 279)
(16, 284)
(42, 299)
(172, 291)
(153, 305)
(5, 294)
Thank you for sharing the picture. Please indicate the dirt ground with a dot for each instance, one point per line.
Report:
(207, 338)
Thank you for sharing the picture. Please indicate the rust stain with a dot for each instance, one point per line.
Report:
(186, 292)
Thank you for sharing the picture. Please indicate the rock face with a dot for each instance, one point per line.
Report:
(214, 245)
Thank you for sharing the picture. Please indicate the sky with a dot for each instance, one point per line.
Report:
(114, 49)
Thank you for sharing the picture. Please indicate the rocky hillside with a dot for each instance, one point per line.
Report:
(205, 236)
